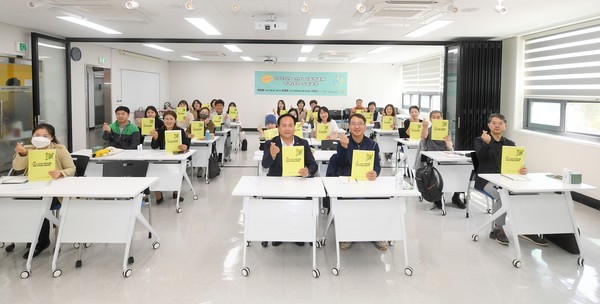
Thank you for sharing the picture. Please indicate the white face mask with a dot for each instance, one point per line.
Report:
(40, 142)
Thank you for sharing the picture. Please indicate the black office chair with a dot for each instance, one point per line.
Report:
(335, 114)
(475, 162)
(81, 163)
(130, 168)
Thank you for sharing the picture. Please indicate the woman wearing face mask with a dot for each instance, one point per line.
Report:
(44, 137)
(158, 142)
(203, 115)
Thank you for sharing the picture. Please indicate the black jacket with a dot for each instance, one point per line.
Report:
(159, 143)
(489, 157)
(275, 165)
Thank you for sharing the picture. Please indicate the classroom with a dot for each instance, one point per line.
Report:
(127, 194)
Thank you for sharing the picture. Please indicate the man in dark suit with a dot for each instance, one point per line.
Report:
(272, 157)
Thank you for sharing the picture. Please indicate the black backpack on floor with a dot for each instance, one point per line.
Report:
(430, 183)
(244, 145)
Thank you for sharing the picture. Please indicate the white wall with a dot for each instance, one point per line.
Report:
(235, 82)
(116, 62)
(10, 35)
(544, 152)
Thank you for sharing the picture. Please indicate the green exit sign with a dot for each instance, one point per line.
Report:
(102, 60)
(21, 47)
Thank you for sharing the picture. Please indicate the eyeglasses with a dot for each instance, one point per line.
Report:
(357, 124)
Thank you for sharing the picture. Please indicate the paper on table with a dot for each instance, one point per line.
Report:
(13, 179)
(348, 180)
(516, 177)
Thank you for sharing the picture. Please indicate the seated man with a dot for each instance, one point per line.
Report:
(272, 157)
(343, 163)
(488, 148)
(121, 133)
(439, 145)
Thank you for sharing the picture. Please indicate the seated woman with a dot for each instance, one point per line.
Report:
(158, 142)
(229, 107)
(324, 118)
(389, 110)
(203, 115)
(196, 106)
(189, 117)
(44, 137)
(280, 107)
(151, 112)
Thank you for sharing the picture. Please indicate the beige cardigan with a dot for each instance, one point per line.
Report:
(64, 162)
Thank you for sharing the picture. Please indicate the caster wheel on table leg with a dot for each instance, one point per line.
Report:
(76, 245)
(87, 245)
(318, 244)
(179, 210)
(392, 243)
(78, 264)
(248, 243)
(25, 274)
(580, 261)
(467, 214)
(130, 260)
(10, 247)
(489, 211)
(335, 271)
(245, 271)
(475, 237)
(155, 245)
(1, 244)
(322, 211)
(420, 199)
(516, 263)
(444, 212)
(195, 197)
(56, 273)
(265, 244)
(316, 273)
(127, 273)
(408, 271)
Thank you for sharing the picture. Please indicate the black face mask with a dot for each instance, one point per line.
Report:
(203, 116)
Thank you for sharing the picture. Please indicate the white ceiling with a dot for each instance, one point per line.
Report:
(387, 20)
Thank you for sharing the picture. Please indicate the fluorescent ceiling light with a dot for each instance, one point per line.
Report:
(380, 49)
(307, 48)
(51, 46)
(357, 59)
(191, 58)
(302, 59)
(246, 58)
(316, 27)
(204, 26)
(158, 47)
(89, 24)
(233, 48)
(426, 29)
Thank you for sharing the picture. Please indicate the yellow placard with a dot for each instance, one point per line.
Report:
(271, 133)
(513, 158)
(147, 125)
(298, 129)
(369, 117)
(233, 113)
(387, 122)
(315, 116)
(322, 131)
(292, 158)
(197, 128)
(362, 163)
(360, 111)
(217, 120)
(282, 112)
(181, 111)
(439, 129)
(415, 129)
(172, 141)
(41, 162)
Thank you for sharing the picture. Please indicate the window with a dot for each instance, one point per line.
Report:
(562, 80)
(422, 83)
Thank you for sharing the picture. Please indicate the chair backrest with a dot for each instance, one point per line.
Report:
(81, 162)
(332, 167)
(335, 114)
(475, 161)
(402, 133)
(129, 168)
(347, 113)
(329, 144)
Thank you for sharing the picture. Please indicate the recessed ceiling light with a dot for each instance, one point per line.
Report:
(132, 4)
(235, 7)
(307, 48)
(204, 26)
(89, 24)
(424, 30)
(189, 5)
(51, 46)
(246, 58)
(380, 49)
(316, 27)
(302, 59)
(304, 7)
(191, 58)
(232, 47)
(158, 47)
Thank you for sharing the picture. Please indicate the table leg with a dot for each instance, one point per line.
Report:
(569, 200)
(65, 210)
(187, 178)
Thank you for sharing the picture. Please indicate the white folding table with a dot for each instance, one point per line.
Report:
(367, 211)
(411, 147)
(280, 209)
(169, 168)
(538, 205)
(221, 137)
(385, 140)
(203, 150)
(236, 128)
(455, 168)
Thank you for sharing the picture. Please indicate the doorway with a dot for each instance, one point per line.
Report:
(97, 103)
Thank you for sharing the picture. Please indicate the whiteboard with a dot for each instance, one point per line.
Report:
(139, 90)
